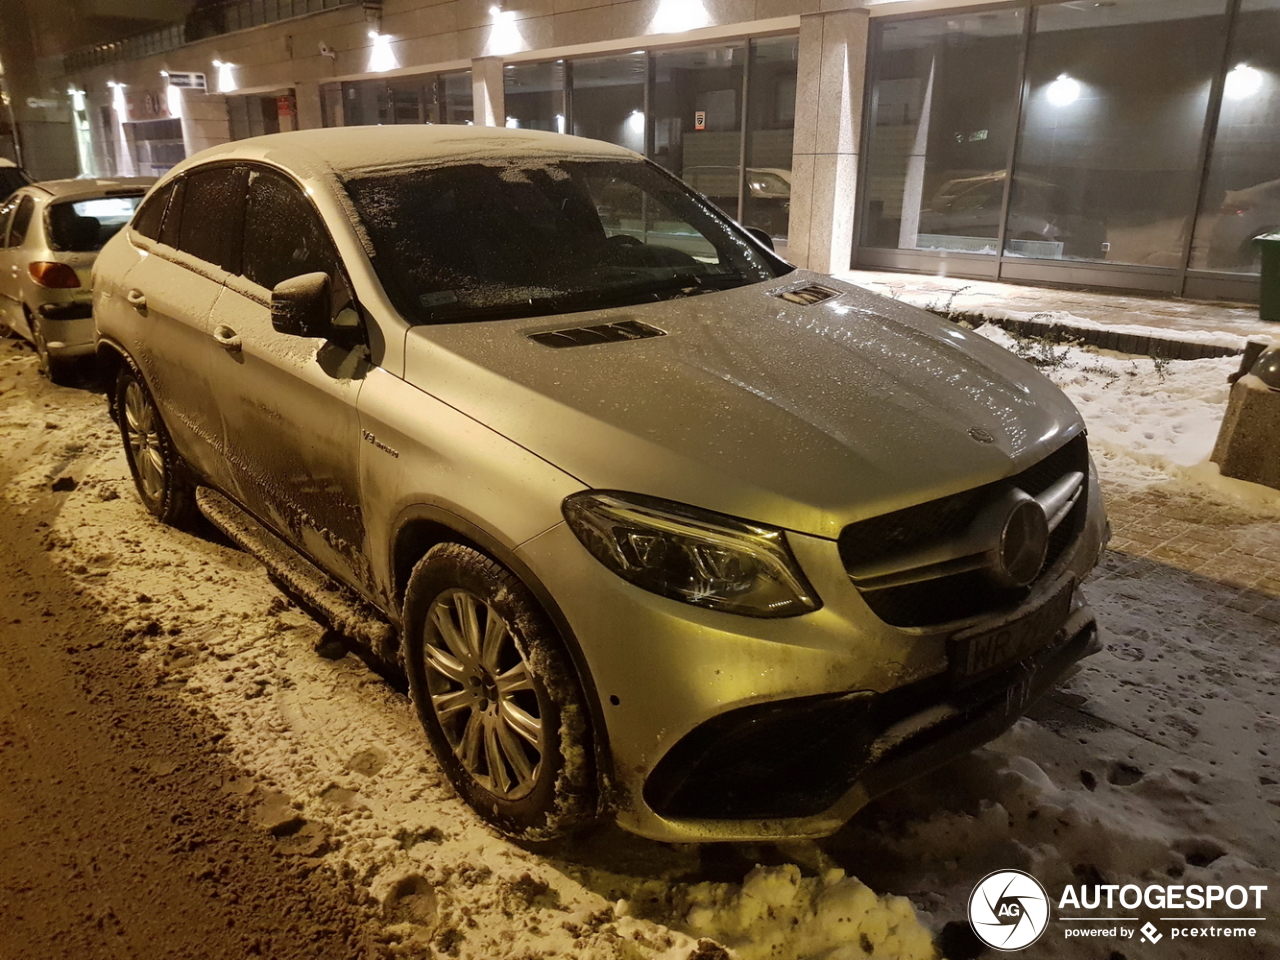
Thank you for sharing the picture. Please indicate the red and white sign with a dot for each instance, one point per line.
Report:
(144, 105)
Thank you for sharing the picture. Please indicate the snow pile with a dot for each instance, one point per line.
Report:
(778, 913)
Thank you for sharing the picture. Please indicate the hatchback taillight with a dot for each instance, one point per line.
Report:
(55, 275)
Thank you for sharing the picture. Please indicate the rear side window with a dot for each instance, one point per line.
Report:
(172, 225)
(284, 237)
(85, 225)
(21, 221)
(151, 214)
(6, 214)
(212, 215)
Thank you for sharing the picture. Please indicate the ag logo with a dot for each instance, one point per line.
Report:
(1009, 910)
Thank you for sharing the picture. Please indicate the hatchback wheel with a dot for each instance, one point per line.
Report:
(56, 370)
(157, 470)
(497, 695)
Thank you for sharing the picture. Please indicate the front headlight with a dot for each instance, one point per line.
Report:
(692, 555)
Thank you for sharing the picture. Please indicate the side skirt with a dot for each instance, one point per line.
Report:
(347, 612)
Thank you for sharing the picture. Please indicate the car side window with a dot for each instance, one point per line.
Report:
(150, 215)
(212, 215)
(21, 221)
(171, 226)
(284, 237)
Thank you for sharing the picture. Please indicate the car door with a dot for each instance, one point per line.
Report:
(6, 296)
(17, 214)
(288, 403)
(173, 289)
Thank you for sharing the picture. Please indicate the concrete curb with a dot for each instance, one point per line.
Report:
(1149, 345)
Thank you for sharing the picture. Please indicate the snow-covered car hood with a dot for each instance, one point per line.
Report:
(807, 417)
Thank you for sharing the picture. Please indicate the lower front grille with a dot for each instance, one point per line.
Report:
(970, 593)
(797, 758)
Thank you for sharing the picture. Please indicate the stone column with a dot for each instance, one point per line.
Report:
(829, 92)
(488, 96)
(205, 122)
(306, 94)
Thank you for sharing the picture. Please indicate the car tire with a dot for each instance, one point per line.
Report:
(499, 699)
(158, 472)
(54, 369)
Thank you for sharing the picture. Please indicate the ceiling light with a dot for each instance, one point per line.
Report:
(1242, 82)
(1063, 91)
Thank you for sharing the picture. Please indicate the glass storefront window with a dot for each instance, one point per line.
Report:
(696, 127)
(252, 116)
(1242, 193)
(608, 99)
(534, 95)
(943, 110)
(454, 98)
(1108, 162)
(156, 145)
(771, 125)
(433, 98)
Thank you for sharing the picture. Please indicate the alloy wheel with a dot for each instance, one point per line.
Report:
(483, 694)
(143, 437)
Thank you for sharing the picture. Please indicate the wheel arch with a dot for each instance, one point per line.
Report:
(112, 358)
(422, 526)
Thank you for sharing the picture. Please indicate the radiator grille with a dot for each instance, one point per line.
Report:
(958, 596)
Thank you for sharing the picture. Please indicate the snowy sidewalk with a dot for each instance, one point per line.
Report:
(1159, 327)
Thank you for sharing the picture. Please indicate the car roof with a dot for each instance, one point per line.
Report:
(84, 187)
(345, 150)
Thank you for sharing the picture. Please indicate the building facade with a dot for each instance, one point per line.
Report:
(1124, 144)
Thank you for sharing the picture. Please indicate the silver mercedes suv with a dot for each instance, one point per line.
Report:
(658, 526)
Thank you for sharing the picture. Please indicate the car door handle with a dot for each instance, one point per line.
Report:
(227, 338)
(137, 299)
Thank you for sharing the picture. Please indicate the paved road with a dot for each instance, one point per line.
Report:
(118, 836)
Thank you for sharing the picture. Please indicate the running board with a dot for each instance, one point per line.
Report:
(346, 612)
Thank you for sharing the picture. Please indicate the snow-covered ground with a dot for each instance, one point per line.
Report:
(1157, 762)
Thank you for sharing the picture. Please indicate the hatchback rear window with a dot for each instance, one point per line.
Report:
(85, 225)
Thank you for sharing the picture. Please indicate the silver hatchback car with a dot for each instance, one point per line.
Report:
(658, 526)
(50, 233)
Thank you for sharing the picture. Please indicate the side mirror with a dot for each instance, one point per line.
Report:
(766, 241)
(300, 306)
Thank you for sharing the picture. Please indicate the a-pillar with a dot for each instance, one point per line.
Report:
(487, 93)
(829, 92)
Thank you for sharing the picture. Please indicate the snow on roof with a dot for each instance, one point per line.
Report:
(349, 149)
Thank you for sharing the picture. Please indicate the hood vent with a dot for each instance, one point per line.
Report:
(604, 333)
(808, 296)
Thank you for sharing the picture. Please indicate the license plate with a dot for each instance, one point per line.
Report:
(978, 650)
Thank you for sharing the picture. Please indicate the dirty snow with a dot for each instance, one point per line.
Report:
(1153, 764)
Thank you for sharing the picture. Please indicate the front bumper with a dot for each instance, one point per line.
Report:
(722, 727)
(804, 767)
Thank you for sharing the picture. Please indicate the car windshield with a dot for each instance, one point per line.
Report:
(482, 241)
(85, 225)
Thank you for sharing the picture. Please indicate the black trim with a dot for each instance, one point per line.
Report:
(66, 311)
